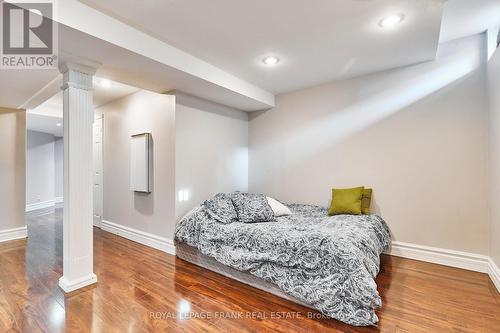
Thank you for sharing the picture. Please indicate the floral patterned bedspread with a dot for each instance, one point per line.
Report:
(328, 262)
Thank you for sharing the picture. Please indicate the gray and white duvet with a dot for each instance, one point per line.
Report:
(328, 262)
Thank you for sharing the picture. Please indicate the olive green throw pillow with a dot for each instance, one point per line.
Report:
(366, 201)
(346, 201)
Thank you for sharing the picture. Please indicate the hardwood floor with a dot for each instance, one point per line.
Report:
(143, 290)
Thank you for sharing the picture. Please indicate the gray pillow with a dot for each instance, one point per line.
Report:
(221, 208)
(252, 208)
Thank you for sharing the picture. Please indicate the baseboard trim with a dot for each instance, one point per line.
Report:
(494, 274)
(141, 237)
(464, 260)
(40, 205)
(12, 234)
(458, 259)
(69, 286)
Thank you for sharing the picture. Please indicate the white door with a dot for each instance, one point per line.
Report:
(98, 192)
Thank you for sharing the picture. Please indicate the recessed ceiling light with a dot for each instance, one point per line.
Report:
(271, 61)
(391, 20)
(58, 124)
(104, 83)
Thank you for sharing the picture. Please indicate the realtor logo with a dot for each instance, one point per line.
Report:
(28, 35)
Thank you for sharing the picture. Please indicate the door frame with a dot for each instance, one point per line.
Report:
(97, 219)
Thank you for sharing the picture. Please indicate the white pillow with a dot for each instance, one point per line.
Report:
(278, 208)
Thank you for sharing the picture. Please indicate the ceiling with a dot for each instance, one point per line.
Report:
(153, 66)
(165, 45)
(18, 86)
(47, 115)
(125, 54)
(318, 40)
(469, 17)
(44, 124)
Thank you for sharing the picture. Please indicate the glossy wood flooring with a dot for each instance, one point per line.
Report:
(144, 290)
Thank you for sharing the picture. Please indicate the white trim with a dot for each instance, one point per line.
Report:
(464, 260)
(40, 205)
(157, 242)
(97, 169)
(11, 234)
(69, 286)
(452, 258)
(44, 204)
(458, 259)
(494, 274)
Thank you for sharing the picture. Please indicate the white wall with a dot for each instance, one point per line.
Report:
(12, 168)
(211, 150)
(199, 146)
(417, 135)
(40, 167)
(44, 168)
(138, 113)
(59, 167)
(494, 165)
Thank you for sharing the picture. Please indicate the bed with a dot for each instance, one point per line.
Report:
(328, 263)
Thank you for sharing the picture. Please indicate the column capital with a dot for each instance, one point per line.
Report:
(77, 76)
(89, 69)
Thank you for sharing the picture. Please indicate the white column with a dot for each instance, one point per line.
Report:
(78, 270)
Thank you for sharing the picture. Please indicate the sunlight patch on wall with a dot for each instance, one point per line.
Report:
(376, 97)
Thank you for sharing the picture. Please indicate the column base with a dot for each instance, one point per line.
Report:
(69, 286)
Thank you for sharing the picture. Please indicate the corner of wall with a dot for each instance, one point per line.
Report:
(13, 165)
(492, 83)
